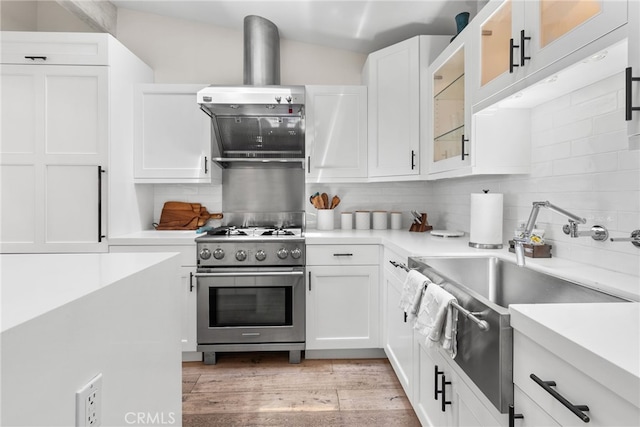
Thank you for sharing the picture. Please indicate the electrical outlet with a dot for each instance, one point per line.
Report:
(89, 404)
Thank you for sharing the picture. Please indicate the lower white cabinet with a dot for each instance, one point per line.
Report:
(397, 331)
(606, 408)
(342, 301)
(187, 285)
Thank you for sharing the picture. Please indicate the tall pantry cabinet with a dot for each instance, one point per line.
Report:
(66, 99)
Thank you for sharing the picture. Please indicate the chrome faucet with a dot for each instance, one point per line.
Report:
(524, 238)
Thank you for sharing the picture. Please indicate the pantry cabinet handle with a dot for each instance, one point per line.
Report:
(629, 108)
(309, 280)
(191, 281)
(206, 165)
(413, 160)
(522, 54)
(576, 409)
(33, 58)
(462, 141)
(511, 64)
(513, 416)
(100, 235)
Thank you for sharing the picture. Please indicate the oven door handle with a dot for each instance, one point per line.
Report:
(255, 273)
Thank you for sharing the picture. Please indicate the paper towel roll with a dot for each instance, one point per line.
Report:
(486, 221)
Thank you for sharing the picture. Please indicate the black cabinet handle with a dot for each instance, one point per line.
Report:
(309, 280)
(436, 374)
(190, 281)
(628, 102)
(100, 235)
(413, 160)
(343, 254)
(444, 402)
(513, 416)
(33, 58)
(522, 54)
(405, 317)
(206, 165)
(462, 141)
(576, 409)
(308, 164)
(511, 64)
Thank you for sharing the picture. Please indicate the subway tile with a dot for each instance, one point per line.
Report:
(551, 152)
(594, 107)
(620, 180)
(606, 86)
(629, 160)
(601, 143)
(586, 164)
(573, 131)
(610, 122)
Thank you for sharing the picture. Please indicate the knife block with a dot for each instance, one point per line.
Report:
(423, 226)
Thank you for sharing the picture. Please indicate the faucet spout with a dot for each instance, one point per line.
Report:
(519, 249)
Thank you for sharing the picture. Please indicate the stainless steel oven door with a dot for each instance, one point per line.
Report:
(251, 306)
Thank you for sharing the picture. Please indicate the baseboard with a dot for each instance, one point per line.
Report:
(364, 353)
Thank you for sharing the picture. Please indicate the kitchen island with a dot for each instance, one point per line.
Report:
(68, 317)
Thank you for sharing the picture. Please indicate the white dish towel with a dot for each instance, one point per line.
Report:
(437, 320)
(412, 292)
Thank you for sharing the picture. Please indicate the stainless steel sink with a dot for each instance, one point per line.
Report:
(486, 286)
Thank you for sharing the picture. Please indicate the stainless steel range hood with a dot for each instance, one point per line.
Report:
(260, 121)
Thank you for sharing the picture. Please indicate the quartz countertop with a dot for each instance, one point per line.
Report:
(606, 336)
(34, 284)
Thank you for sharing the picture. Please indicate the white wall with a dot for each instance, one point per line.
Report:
(182, 51)
(26, 15)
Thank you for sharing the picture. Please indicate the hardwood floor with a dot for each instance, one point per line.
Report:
(263, 389)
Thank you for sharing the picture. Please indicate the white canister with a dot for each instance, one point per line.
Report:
(363, 220)
(396, 220)
(379, 220)
(325, 219)
(346, 220)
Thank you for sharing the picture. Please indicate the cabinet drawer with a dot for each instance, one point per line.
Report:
(606, 408)
(187, 253)
(343, 254)
(54, 48)
(397, 272)
(532, 414)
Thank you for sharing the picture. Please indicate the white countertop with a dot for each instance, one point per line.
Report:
(606, 336)
(34, 284)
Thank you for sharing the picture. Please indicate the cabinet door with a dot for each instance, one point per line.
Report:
(435, 383)
(54, 133)
(336, 136)
(394, 104)
(342, 307)
(189, 307)
(398, 341)
(172, 136)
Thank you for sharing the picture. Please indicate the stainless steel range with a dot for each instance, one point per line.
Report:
(251, 294)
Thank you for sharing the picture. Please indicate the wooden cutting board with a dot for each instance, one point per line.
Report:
(184, 216)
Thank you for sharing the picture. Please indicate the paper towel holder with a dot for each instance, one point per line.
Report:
(485, 245)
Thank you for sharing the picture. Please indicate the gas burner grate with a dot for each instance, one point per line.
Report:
(278, 232)
(226, 231)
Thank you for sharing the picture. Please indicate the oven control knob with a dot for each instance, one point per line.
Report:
(205, 253)
(241, 255)
(296, 253)
(218, 253)
(283, 253)
(261, 255)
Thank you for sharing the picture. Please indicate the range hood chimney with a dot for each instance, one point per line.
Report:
(261, 52)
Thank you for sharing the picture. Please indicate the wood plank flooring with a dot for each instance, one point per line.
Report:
(263, 389)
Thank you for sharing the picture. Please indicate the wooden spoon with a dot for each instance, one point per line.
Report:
(335, 202)
(325, 201)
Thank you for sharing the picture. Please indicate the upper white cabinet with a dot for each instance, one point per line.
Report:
(457, 143)
(520, 37)
(336, 133)
(392, 76)
(172, 142)
(57, 121)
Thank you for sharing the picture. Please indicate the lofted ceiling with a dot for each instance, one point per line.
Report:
(356, 25)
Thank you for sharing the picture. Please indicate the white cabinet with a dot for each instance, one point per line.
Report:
(336, 133)
(606, 407)
(633, 100)
(496, 141)
(60, 124)
(342, 302)
(397, 329)
(54, 154)
(521, 37)
(187, 285)
(172, 136)
(392, 76)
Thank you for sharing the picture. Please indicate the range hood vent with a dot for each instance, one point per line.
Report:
(260, 121)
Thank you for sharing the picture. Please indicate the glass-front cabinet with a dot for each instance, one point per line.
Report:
(520, 37)
(449, 113)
